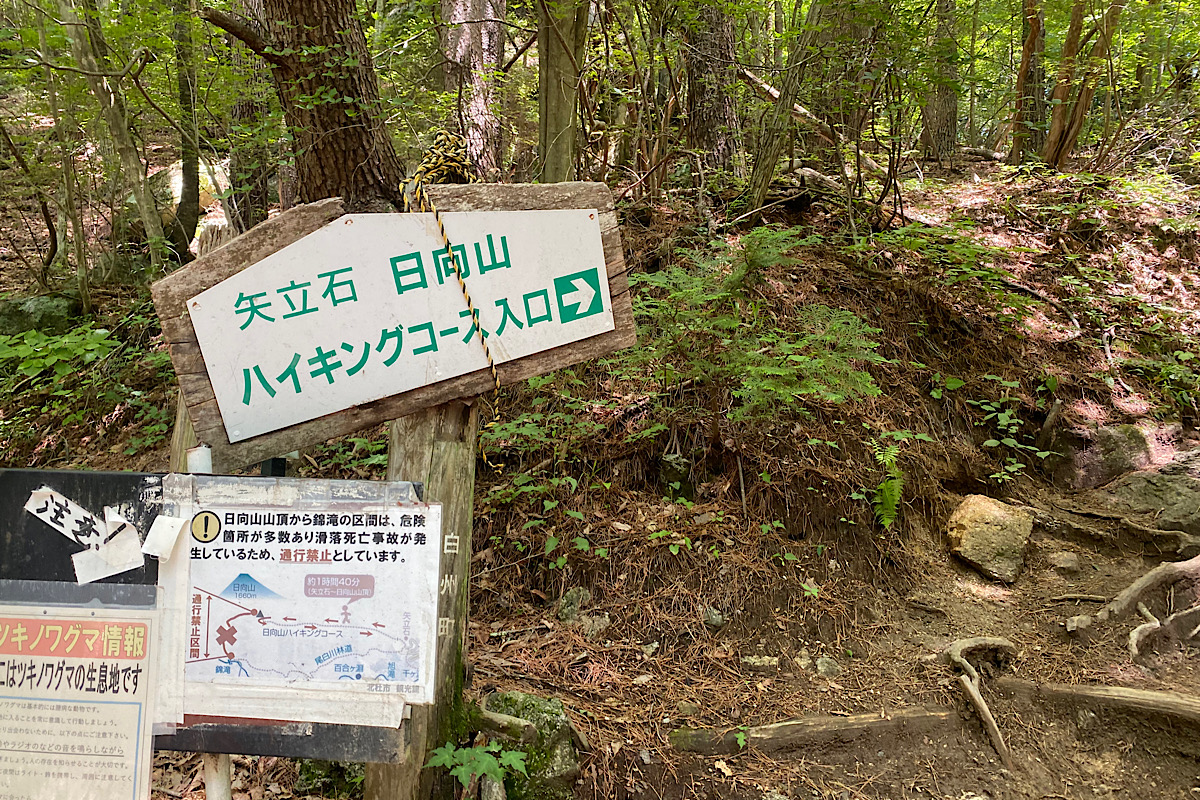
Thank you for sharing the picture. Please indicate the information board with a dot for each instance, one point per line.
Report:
(76, 686)
(299, 600)
(37, 557)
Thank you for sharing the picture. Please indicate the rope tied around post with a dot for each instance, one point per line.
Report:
(446, 161)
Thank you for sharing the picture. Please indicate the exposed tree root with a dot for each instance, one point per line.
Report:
(959, 654)
(809, 730)
(1163, 575)
(1172, 704)
(1180, 627)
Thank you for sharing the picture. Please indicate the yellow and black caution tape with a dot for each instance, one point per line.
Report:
(447, 162)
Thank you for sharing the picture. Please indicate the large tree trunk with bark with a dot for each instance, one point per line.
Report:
(562, 33)
(712, 119)
(330, 97)
(941, 109)
(472, 44)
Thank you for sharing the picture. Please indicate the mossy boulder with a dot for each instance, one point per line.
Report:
(551, 761)
(50, 314)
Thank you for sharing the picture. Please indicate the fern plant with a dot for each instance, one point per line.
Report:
(887, 495)
(706, 325)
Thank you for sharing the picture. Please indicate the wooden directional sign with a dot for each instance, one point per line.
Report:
(317, 324)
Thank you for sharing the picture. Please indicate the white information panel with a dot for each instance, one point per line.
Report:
(75, 694)
(303, 604)
(369, 307)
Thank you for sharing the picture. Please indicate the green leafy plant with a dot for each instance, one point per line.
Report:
(32, 353)
(708, 326)
(1001, 414)
(1176, 374)
(941, 385)
(464, 763)
(677, 541)
(886, 497)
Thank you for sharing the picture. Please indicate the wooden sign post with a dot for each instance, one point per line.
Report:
(562, 269)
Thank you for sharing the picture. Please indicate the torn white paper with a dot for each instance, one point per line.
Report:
(123, 549)
(66, 517)
(164, 531)
(119, 554)
(90, 566)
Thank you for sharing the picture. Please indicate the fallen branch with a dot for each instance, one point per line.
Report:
(809, 730)
(802, 114)
(1048, 300)
(1161, 576)
(1172, 704)
(982, 152)
(1079, 598)
(812, 178)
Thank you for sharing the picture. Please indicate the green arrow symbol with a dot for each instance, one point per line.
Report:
(578, 295)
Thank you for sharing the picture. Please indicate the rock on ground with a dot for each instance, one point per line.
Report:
(551, 762)
(50, 314)
(990, 536)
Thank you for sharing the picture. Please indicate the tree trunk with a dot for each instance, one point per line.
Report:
(187, 213)
(1068, 119)
(1088, 83)
(472, 44)
(1062, 86)
(562, 33)
(777, 122)
(712, 119)
(1029, 111)
(89, 50)
(330, 97)
(941, 109)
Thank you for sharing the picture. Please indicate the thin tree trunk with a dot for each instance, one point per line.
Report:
(89, 49)
(1058, 150)
(1088, 84)
(777, 122)
(187, 213)
(1062, 87)
(562, 33)
(777, 41)
(1033, 26)
(972, 131)
(70, 208)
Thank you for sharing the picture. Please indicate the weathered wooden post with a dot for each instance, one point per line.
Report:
(436, 446)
